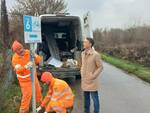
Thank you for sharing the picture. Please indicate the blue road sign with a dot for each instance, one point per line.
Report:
(27, 23)
(32, 29)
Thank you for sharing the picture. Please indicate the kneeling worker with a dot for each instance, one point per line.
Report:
(59, 97)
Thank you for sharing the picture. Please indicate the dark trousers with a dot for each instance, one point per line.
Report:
(95, 98)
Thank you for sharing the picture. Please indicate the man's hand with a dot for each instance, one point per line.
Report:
(29, 65)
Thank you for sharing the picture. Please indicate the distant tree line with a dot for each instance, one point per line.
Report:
(132, 43)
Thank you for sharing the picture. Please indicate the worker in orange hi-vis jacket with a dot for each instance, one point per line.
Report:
(22, 65)
(59, 98)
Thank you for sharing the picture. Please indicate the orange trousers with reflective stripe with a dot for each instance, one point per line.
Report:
(65, 105)
(26, 89)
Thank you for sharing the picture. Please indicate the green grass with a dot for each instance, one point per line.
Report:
(12, 91)
(134, 68)
(0, 57)
(8, 97)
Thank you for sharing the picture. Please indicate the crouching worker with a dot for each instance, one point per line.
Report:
(59, 98)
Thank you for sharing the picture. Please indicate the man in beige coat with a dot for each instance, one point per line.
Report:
(91, 68)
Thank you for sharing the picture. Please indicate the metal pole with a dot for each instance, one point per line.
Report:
(33, 78)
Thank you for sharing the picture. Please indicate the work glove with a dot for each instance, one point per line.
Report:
(18, 66)
(29, 65)
(38, 109)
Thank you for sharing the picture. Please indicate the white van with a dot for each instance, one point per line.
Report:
(61, 44)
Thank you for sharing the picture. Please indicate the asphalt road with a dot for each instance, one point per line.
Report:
(119, 93)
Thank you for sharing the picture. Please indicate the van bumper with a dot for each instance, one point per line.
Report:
(60, 72)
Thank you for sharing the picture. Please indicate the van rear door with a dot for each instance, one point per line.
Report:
(87, 24)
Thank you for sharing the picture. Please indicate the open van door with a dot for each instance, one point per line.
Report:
(87, 25)
(61, 45)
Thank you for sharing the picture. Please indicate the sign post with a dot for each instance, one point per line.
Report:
(32, 35)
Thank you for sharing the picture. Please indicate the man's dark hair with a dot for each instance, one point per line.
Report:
(91, 41)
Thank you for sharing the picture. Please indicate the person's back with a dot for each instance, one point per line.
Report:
(62, 91)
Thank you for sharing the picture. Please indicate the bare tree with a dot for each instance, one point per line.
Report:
(4, 25)
(31, 7)
(5, 66)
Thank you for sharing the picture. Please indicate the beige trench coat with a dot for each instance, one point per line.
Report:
(91, 67)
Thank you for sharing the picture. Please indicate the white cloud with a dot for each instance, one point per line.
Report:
(10, 3)
(113, 13)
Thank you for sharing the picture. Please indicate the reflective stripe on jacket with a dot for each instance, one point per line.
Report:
(61, 95)
(19, 62)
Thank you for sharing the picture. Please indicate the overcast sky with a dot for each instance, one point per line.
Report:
(110, 13)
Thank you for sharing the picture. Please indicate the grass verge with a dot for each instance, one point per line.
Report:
(8, 105)
(0, 58)
(134, 68)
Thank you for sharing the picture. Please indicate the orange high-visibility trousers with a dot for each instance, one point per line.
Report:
(63, 107)
(23, 75)
(26, 89)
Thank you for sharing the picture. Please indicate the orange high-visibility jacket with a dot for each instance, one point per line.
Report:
(23, 74)
(59, 95)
